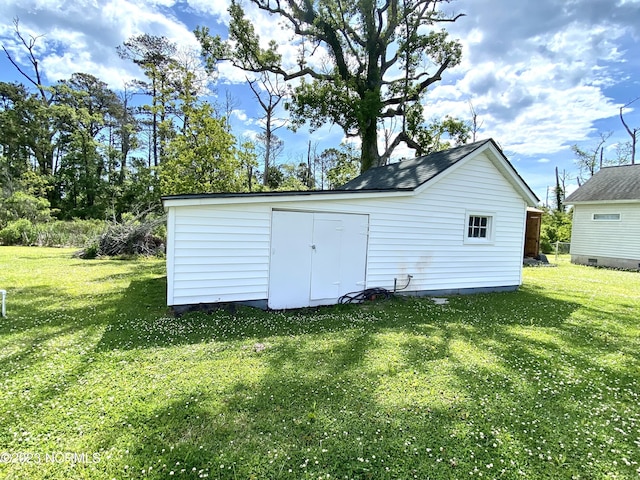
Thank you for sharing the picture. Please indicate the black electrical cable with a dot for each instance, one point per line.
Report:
(368, 294)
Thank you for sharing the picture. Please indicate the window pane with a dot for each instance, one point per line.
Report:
(606, 216)
(478, 226)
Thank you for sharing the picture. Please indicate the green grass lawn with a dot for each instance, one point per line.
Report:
(97, 380)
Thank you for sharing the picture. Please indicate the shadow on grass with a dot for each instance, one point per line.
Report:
(327, 401)
(313, 412)
(49, 339)
(499, 383)
(555, 400)
(505, 394)
(138, 321)
(36, 306)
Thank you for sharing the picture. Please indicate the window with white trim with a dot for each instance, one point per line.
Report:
(606, 217)
(479, 227)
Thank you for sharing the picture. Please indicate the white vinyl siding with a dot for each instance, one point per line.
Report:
(606, 238)
(221, 252)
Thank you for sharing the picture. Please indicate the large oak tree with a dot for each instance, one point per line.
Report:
(381, 56)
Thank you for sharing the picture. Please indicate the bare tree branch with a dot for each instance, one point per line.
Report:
(400, 138)
(29, 46)
(633, 133)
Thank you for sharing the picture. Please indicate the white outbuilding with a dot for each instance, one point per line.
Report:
(447, 223)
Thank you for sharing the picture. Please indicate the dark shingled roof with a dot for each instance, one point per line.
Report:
(410, 174)
(610, 183)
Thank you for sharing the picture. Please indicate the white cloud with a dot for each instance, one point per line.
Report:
(240, 115)
(545, 94)
(216, 8)
(251, 135)
(128, 19)
(82, 36)
(565, 116)
(230, 74)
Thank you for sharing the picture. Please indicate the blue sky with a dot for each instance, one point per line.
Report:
(541, 75)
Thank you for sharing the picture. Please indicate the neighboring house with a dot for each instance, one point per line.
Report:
(606, 219)
(450, 222)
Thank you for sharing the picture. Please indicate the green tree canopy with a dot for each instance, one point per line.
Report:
(381, 56)
(343, 166)
(155, 56)
(202, 159)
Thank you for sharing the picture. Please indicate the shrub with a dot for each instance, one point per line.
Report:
(73, 233)
(556, 227)
(545, 245)
(17, 232)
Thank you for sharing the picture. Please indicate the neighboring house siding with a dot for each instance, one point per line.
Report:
(612, 239)
(221, 253)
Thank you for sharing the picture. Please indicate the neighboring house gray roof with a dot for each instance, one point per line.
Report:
(609, 184)
(410, 174)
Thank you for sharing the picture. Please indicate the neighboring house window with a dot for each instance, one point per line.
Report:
(610, 217)
(479, 228)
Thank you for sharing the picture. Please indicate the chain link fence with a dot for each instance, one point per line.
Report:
(561, 248)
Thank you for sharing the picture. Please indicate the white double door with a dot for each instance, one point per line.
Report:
(316, 257)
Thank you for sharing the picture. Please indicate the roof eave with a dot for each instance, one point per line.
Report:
(276, 197)
(568, 201)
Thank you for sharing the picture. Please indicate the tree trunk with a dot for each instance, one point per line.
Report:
(154, 121)
(308, 180)
(559, 193)
(267, 153)
(369, 157)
